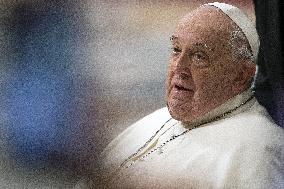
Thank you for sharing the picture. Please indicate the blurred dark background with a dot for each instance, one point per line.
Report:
(270, 78)
(73, 75)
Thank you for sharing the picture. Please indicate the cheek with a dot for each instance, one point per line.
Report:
(213, 84)
(207, 82)
(201, 79)
(206, 91)
(169, 79)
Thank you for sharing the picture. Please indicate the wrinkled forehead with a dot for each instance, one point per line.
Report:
(207, 21)
(206, 15)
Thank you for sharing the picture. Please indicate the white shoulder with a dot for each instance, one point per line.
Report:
(134, 137)
(258, 159)
(146, 125)
(261, 126)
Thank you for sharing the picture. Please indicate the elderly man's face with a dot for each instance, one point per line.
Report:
(202, 72)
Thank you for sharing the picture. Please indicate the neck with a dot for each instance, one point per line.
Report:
(229, 108)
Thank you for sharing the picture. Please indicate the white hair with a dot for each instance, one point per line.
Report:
(241, 49)
(239, 45)
(244, 24)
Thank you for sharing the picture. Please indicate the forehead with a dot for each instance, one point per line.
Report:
(205, 24)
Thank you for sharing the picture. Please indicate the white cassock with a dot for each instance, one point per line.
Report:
(242, 149)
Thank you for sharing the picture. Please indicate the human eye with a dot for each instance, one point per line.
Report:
(176, 50)
(200, 59)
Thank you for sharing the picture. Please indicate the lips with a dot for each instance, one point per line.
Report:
(182, 88)
(181, 92)
(179, 85)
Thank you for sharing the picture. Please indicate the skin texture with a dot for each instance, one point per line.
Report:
(203, 72)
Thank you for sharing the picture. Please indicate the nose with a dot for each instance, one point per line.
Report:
(181, 65)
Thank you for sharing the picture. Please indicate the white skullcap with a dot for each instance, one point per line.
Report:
(241, 19)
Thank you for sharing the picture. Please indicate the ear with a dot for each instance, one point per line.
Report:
(245, 73)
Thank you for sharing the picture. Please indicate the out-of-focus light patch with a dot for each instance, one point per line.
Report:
(35, 117)
(39, 91)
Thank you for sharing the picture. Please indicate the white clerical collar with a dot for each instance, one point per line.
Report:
(229, 105)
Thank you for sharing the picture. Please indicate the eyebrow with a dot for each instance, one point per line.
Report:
(173, 37)
(198, 44)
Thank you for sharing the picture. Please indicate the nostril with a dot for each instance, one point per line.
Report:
(179, 87)
(182, 88)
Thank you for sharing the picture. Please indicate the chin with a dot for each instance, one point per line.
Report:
(180, 115)
(182, 118)
(184, 113)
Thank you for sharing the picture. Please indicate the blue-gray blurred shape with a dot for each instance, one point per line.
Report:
(40, 134)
